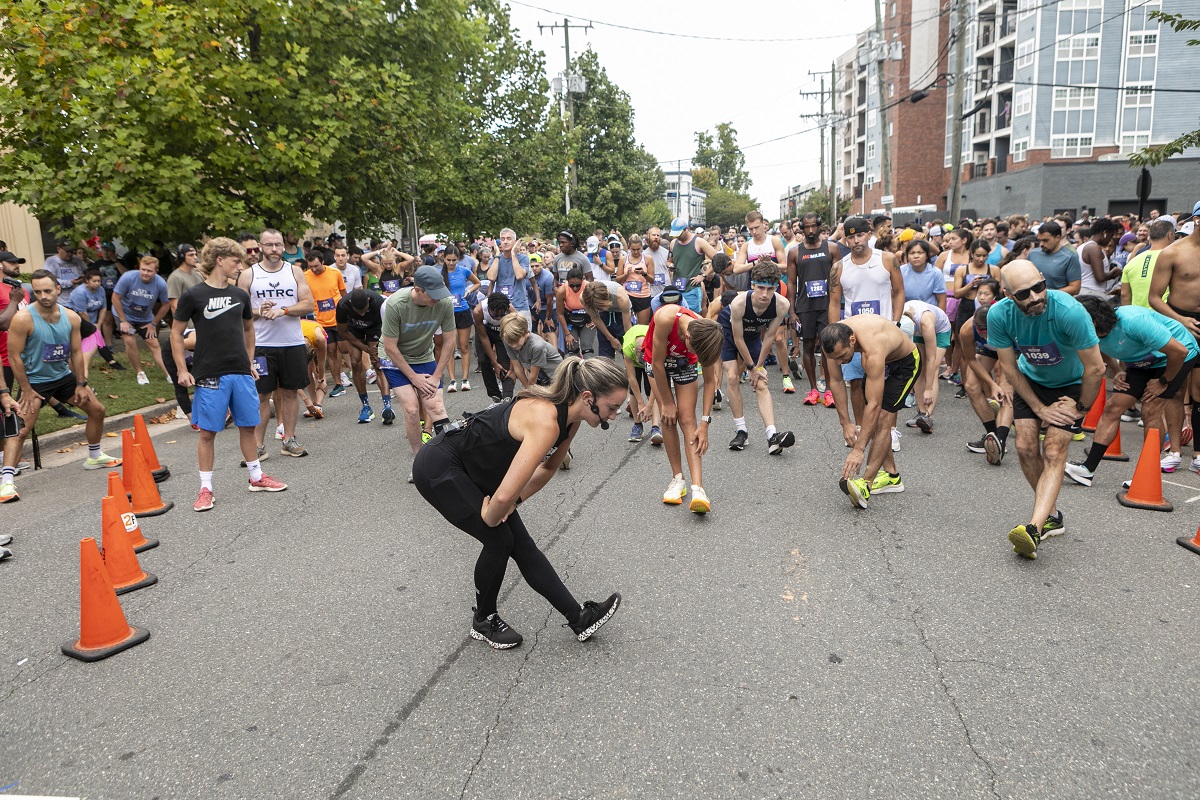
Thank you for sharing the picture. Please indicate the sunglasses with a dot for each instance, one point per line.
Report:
(253, 250)
(1023, 294)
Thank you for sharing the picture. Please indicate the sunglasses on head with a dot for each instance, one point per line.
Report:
(1023, 294)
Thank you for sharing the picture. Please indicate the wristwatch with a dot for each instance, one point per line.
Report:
(81, 383)
(1080, 406)
(706, 418)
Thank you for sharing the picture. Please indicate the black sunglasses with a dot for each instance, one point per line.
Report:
(1023, 294)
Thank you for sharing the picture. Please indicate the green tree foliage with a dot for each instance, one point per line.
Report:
(724, 207)
(149, 119)
(818, 202)
(723, 156)
(1153, 156)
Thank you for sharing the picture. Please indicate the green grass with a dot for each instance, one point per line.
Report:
(109, 382)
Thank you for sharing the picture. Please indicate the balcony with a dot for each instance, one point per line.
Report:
(987, 34)
(979, 170)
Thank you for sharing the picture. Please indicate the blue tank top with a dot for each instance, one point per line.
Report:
(47, 353)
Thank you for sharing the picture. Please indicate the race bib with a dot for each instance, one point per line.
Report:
(864, 307)
(109, 283)
(660, 280)
(681, 284)
(969, 277)
(54, 352)
(386, 363)
(506, 291)
(391, 285)
(327, 304)
(1146, 362)
(816, 288)
(137, 310)
(633, 286)
(458, 299)
(261, 363)
(1041, 355)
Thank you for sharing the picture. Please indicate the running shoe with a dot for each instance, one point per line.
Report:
(738, 442)
(910, 400)
(452, 388)
(886, 484)
(771, 361)
(263, 455)
(1195, 466)
(389, 416)
(495, 631)
(676, 489)
(279, 431)
(780, 441)
(1079, 473)
(924, 423)
(289, 448)
(337, 391)
(979, 445)
(699, 504)
(812, 398)
(5, 540)
(102, 461)
(1171, 462)
(995, 406)
(718, 398)
(8, 493)
(465, 386)
(858, 491)
(204, 502)
(142, 379)
(425, 436)
(912, 423)
(1025, 540)
(745, 376)
(635, 435)
(788, 386)
(1079, 437)
(267, 484)
(457, 354)
(828, 398)
(566, 464)
(1141, 423)
(960, 394)
(994, 448)
(895, 441)
(66, 413)
(371, 376)
(345, 381)
(957, 380)
(593, 615)
(821, 387)
(316, 412)
(22, 466)
(1132, 415)
(656, 437)
(410, 476)
(5, 553)
(116, 365)
(366, 415)
(180, 413)
(794, 366)
(1054, 525)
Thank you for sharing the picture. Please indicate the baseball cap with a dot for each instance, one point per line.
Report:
(184, 249)
(535, 258)
(936, 230)
(1186, 228)
(593, 244)
(907, 326)
(670, 296)
(1126, 239)
(10, 257)
(856, 225)
(679, 224)
(429, 279)
(1196, 210)
(907, 234)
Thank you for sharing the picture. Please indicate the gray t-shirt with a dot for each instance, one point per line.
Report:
(413, 326)
(1058, 268)
(180, 281)
(563, 264)
(536, 352)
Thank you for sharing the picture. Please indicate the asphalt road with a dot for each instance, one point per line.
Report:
(313, 643)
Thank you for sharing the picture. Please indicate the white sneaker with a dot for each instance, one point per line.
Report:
(180, 413)
(1079, 473)
(675, 491)
(410, 476)
(1171, 461)
(345, 380)
(699, 504)
(452, 388)
(142, 379)
(371, 376)
(1195, 467)
(279, 431)
(466, 386)
(895, 441)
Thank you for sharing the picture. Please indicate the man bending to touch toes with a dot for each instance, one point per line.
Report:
(224, 368)
(751, 319)
(890, 366)
(47, 361)
(1055, 380)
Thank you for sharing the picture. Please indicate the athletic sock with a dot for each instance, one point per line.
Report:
(7, 475)
(1094, 456)
(255, 470)
(739, 423)
(770, 431)
(366, 401)
(387, 401)
(1002, 433)
(989, 426)
(206, 480)
(893, 474)
(93, 450)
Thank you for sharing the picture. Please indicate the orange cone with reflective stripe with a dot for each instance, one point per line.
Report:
(142, 437)
(103, 629)
(1096, 411)
(146, 500)
(1192, 544)
(119, 559)
(1145, 490)
(116, 489)
(1113, 453)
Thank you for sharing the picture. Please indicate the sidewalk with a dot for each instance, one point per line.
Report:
(51, 443)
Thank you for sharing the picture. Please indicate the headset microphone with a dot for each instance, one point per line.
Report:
(603, 422)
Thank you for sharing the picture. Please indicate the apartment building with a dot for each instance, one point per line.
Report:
(683, 196)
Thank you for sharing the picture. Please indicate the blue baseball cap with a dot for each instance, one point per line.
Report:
(1196, 210)
(679, 224)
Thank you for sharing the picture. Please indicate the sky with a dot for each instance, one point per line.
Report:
(753, 84)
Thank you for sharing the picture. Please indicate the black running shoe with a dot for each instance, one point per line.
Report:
(116, 365)
(771, 361)
(781, 440)
(593, 615)
(494, 631)
(961, 393)
(977, 446)
(739, 441)
(794, 366)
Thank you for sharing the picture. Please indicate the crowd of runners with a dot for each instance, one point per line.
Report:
(1022, 318)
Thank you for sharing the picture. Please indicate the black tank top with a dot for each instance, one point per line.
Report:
(812, 272)
(483, 446)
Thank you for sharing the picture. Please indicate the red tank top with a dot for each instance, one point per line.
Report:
(675, 345)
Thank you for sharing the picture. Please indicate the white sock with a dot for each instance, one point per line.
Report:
(93, 450)
(770, 431)
(739, 423)
(255, 470)
(206, 480)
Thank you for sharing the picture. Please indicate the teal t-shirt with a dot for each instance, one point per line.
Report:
(1049, 343)
(1141, 334)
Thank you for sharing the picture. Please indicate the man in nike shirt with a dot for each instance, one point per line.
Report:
(223, 369)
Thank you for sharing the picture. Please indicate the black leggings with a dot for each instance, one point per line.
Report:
(442, 482)
(181, 392)
(493, 387)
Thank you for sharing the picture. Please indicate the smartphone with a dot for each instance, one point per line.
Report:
(12, 425)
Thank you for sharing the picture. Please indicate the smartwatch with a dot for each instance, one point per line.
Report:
(1080, 407)
(706, 418)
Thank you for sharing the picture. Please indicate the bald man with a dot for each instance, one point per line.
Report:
(1055, 380)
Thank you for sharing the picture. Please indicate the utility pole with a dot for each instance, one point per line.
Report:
(958, 31)
(882, 55)
(833, 131)
(567, 90)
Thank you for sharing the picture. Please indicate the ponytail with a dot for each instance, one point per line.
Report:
(576, 376)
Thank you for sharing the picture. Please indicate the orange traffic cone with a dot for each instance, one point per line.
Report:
(127, 443)
(1192, 544)
(1145, 490)
(116, 490)
(147, 502)
(103, 629)
(142, 436)
(1096, 411)
(119, 559)
(1113, 453)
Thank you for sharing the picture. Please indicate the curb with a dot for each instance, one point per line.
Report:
(58, 439)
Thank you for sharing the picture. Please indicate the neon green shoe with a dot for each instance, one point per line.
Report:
(1025, 540)
(885, 483)
(102, 461)
(858, 491)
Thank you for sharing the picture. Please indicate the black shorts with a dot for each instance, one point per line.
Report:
(1193, 314)
(463, 319)
(331, 334)
(140, 330)
(1138, 377)
(1047, 395)
(679, 371)
(901, 375)
(642, 378)
(812, 323)
(639, 303)
(286, 368)
(985, 352)
(62, 391)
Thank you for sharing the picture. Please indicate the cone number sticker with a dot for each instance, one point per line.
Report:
(130, 522)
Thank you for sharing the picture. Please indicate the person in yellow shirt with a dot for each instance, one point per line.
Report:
(315, 346)
(1137, 274)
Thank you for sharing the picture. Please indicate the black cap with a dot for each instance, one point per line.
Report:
(184, 249)
(10, 257)
(855, 225)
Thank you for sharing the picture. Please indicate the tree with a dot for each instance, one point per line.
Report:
(1153, 156)
(617, 178)
(150, 119)
(725, 157)
(818, 203)
(724, 207)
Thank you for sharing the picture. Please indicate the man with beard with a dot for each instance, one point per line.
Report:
(808, 266)
(1055, 381)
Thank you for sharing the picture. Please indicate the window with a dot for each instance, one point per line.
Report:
(1024, 104)
(1066, 99)
(1141, 57)
(893, 6)
(1137, 113)
(1131, 142)
(870, 182)
(1142, 44)
(1080, 46)
(872, 118)
(1025, 54)
(870, 150)
(891, 89)
(891, 130)
(1070, 146)
(1019, 149)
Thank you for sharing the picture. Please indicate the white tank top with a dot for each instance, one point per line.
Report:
(488, 319)
(659, 257)
(279, 287)
(867, 288)
(754, 251)
(1087, 281)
